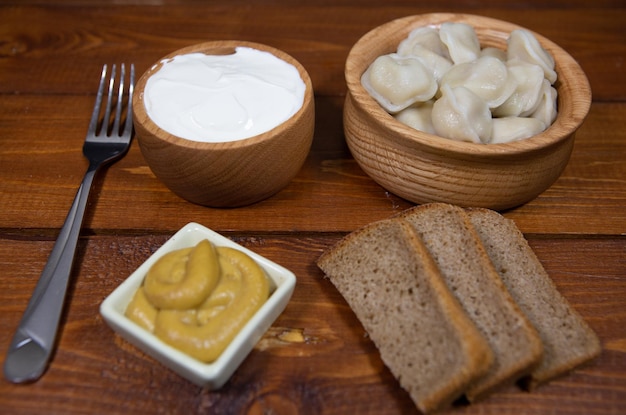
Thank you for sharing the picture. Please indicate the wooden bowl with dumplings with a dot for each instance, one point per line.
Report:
(426, 167)
(226, 174)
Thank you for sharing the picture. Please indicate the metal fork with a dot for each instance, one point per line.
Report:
(34, 340)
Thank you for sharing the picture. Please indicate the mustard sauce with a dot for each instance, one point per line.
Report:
(197, 299)
(141, 311)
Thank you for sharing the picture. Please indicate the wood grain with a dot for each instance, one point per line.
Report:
(43, 165)
(51, 50)
(329, 366)
(316, 358)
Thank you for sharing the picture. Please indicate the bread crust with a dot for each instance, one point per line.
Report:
(387, 277)
(456, 248)
(568, 340)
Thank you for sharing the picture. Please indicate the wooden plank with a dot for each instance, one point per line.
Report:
(534, 4)
(328, 366)
(42, 166)
(53, 51)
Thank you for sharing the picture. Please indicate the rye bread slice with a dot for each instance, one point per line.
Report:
(422, 333)
(568, 340)
(458, 253)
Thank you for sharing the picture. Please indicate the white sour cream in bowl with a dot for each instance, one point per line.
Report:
(220, 98)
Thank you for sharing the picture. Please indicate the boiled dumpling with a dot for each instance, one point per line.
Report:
(509, 129)
(424, 43)
(524, 100)
(423, 37)
(546, 110)
(440, 81)
(461, 115)
(524, 45)
(487, 77)
(436, 64)
(418, 116)
(461, 41)
(494, 52)
(396, 82)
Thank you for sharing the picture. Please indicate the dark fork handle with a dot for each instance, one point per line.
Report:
(34, 340)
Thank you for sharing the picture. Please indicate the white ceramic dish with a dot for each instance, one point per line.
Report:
(213, 375)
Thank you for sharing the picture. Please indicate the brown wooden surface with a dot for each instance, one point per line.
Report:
(50, 56)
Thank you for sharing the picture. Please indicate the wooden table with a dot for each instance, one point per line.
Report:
(51, 53)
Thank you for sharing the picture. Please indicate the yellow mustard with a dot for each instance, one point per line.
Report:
(197, 299)
(141, 311)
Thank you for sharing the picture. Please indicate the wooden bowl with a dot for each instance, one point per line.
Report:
(422, 167)
(226, 174)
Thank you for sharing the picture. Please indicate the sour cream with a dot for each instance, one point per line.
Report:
(219, 98)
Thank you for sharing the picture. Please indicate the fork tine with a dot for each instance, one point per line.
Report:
(128, 125)
(118, 106)
(107, 111)
(93, 123)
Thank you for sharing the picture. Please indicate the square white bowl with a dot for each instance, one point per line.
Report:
(209, 375)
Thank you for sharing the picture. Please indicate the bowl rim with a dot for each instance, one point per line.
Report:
(568, 71)
(221, 47)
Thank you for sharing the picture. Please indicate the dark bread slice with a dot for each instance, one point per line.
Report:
(423, 335)
(458, 253)
(568, 340)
